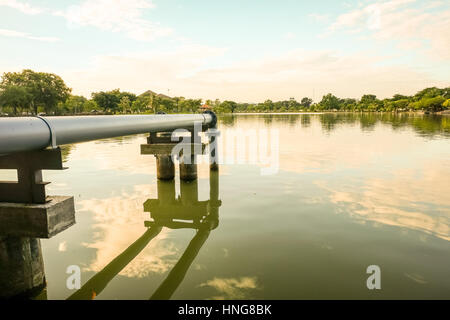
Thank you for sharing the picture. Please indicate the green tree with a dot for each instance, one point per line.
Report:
(46, 89)
(90, 106)
(292, 105)
(16, 97)
(329, 102)
(401, 104)
(433, 104)
(368, 99)
(108, 101)
(348, 104)
(229, 106)
(131, 96)
(306, 102)
(194, 104)
(125, 104)
(370, 102)
(74, 104)
(446, 104)
(166, 105)
(397, 97)
(268, 105)
(141, 104)
(429, 93)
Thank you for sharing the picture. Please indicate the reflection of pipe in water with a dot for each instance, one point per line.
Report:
(166, 191)
(173, 280)
(98, 282)
(185, 211)
(205, 216)
(214, 202)
(189, 192)
(211, 221)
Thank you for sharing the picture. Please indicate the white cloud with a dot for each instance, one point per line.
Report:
(366, 14)
(110, 15)
(138, 72)
(296, 74)
(116, 16)
(12, 33)
(19, 34)
(21, 6)
(395, 20)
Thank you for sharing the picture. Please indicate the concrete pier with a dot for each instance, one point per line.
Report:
(21, 267)
(26, 215)
(161, 146)
(188, 171)
(165, 168)
(213, 150)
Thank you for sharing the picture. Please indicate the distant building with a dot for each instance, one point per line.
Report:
(204, 108)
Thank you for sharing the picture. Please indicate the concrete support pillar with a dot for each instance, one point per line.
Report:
(165, 169)
(21, 267)
(188, 171)
(213, 155)
(212, 135)
(27, 214)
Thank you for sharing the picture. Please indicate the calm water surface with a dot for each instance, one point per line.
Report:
(351, 191)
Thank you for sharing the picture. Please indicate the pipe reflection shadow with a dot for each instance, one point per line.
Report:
(167, 211)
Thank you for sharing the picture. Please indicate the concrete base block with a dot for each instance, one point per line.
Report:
(37, 220)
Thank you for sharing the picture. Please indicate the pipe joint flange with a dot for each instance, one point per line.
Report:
(52, 132)
(213, 123)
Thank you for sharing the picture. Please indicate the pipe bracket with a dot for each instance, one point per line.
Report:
(52, 132)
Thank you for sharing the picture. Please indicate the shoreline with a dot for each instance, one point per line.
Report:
(443, 113)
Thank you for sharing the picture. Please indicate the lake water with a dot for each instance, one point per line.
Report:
(349, 191)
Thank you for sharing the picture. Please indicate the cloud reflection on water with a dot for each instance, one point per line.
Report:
(232, 288)
(413, 199)
(117, 223)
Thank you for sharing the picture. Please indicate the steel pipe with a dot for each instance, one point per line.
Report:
(34, 133)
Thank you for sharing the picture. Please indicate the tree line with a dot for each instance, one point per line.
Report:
(29, 92)
(425, 125)
(428, 100)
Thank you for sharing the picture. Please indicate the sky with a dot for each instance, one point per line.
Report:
(241, 50)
